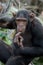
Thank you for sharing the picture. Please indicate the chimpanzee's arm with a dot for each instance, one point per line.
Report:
(5, 52)
(31, 51)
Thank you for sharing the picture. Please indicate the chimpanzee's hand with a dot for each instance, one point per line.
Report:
(18, 39)
(21, 41)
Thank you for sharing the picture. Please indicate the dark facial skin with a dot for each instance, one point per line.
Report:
(21, 25)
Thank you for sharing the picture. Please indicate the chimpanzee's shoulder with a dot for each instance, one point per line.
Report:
(37, 28)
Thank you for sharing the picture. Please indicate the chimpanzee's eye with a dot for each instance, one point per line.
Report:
(21, 20)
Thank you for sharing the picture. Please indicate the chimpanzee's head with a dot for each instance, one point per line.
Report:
(22, 21)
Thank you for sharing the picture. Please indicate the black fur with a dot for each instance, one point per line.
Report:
(5, 51)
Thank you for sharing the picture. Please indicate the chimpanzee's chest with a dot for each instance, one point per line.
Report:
(27, 39)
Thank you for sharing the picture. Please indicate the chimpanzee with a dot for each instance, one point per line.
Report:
(6, 22)
(28, 41)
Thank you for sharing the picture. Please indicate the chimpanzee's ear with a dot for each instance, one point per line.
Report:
(32, 16)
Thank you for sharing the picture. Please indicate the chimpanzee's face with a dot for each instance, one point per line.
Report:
(21, 24)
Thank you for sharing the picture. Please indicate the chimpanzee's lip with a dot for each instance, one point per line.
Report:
(20, 31)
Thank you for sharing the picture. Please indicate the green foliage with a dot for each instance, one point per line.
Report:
(3, 36)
